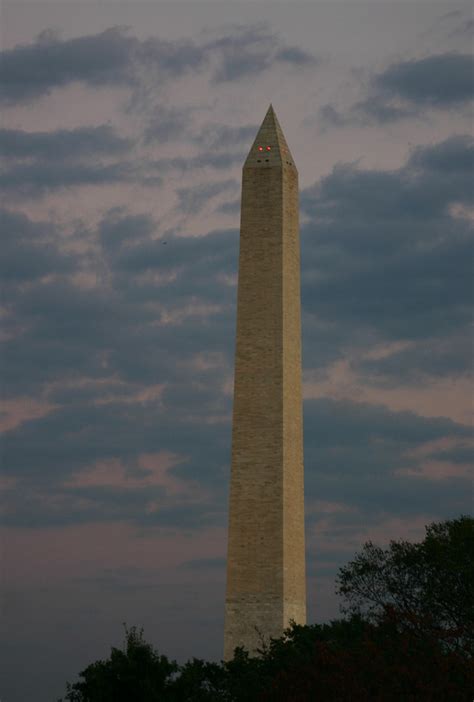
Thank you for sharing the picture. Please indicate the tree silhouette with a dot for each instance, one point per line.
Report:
(429, 585)
(407, 636)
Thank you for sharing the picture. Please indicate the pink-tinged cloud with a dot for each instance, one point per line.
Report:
(437, 470)
(433, 468)
(153, 469)
(448, 397)
(126, 345)
(20, 409)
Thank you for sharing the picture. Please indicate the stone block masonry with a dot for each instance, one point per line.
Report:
(266, 559)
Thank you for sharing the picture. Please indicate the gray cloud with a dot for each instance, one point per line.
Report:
(450, 15)
(192, 200)
(86, 432)
(454, 155)
(441, 80)
(353, 453)
(296, 56)
(221, 137)
(387, 266)
(232, 207)
(373, 110)
(391, 265)
(30, 71)
(338, 424)
(247, 51)
(34, 180)
(70, 332)
(115, 58)
(167, 123)
(41, 162)
(464, 29)
(363, 443)
(459, 454)
(64, 332)
(440, 358)
(383, 252)
(117, 229)
(220, 160)
(61, 144)
(405, 496)
(134, 244)
(205, 563)
(89, 431)
(433, 178)
(29, 250)
(101, 315)
(173, 58)
(377, 110)
(406, 89)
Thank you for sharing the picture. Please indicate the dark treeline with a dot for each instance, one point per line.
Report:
(407, 636)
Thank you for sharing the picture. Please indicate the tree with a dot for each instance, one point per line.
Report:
(137, 673)
(407, 636)
(198, 681)
(353, 660)
(429, 585)
(348, 660)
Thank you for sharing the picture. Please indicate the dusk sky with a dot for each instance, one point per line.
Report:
(124, 130)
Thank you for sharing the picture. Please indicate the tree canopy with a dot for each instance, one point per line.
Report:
(407, 635)
(430, 584)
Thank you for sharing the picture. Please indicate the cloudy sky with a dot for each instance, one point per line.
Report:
(124, 130)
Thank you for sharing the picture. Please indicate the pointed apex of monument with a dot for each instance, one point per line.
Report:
(271, 114)
(270, 147)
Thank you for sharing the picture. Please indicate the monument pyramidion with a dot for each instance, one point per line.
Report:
(266, 586)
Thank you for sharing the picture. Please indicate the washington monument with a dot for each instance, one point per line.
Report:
(266, 557)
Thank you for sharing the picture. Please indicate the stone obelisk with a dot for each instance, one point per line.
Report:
(266, 554)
